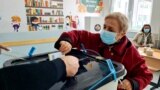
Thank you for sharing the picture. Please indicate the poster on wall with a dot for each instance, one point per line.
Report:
(12, 16)
(16, 20)
(89, 7)
(72, 22)
(44, 15)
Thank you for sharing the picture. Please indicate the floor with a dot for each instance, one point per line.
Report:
(155, 79)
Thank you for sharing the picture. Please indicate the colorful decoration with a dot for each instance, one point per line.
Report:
(89, 6)
(71, 22)
(44, 15)
(99, 7)
(34, 23)
(16, 22)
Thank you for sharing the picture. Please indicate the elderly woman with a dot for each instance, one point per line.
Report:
(145, 38)
(112, 43)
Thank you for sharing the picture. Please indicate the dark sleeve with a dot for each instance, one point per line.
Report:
(135, 85)
(135, 39)
(37, 76)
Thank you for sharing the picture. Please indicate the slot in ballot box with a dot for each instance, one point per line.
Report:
(91, 74)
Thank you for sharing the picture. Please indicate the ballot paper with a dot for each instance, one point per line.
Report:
(54, 55)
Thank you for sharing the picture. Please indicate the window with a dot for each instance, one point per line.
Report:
(137, 11)
(141, 13)
(120, 6)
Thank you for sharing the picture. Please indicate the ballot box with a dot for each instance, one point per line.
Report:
(92, 74)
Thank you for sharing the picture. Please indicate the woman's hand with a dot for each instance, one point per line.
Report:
(65, 47)
(125, 85)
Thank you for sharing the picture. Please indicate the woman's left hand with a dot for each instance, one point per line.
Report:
(125, 85)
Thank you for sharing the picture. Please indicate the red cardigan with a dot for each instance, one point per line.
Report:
(123, 52)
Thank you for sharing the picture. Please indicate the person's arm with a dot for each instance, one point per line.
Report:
(3, 47)
(152, 43)
(139, 76)
(135, 40)
(37, 76)
(142, 76)
(75, 38)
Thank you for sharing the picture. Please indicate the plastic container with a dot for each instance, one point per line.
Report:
(89, 73)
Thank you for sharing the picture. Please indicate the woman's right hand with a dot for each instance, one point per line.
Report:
(65, 47)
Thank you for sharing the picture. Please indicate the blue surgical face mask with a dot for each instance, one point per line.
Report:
(146, 30)
(108, 37)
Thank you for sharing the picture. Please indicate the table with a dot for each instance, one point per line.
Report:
(153, 63)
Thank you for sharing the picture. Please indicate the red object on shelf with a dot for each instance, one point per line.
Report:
(37, 4)
(51, 23)
(46, 3)
(25, 2)
(41, 12)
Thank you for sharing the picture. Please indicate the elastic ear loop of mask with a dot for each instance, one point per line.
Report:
(112, 72)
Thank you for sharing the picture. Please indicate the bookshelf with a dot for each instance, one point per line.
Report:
(43, 7)
(44, 14)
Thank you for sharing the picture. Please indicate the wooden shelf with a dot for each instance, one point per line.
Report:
(58, 0)
(38, 8)
(51, 23)
(46, 23)
(43, 7)
(45, 15)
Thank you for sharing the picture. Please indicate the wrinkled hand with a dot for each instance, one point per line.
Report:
(65, 47)
(72, 65)
(125, 85)
(4, 48)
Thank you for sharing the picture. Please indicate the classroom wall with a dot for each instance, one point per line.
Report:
(155, 21)
(90, 22)
(69, 10)
(17, 7)
(9, 8)
(20, 51)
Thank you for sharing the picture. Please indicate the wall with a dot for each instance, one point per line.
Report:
(69, 10)
(155, 21)
(20, 51)
(10, 8)
(14, 7)
(90, 22)
(94, 21)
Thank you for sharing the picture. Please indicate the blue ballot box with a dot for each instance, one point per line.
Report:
(101, 74)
